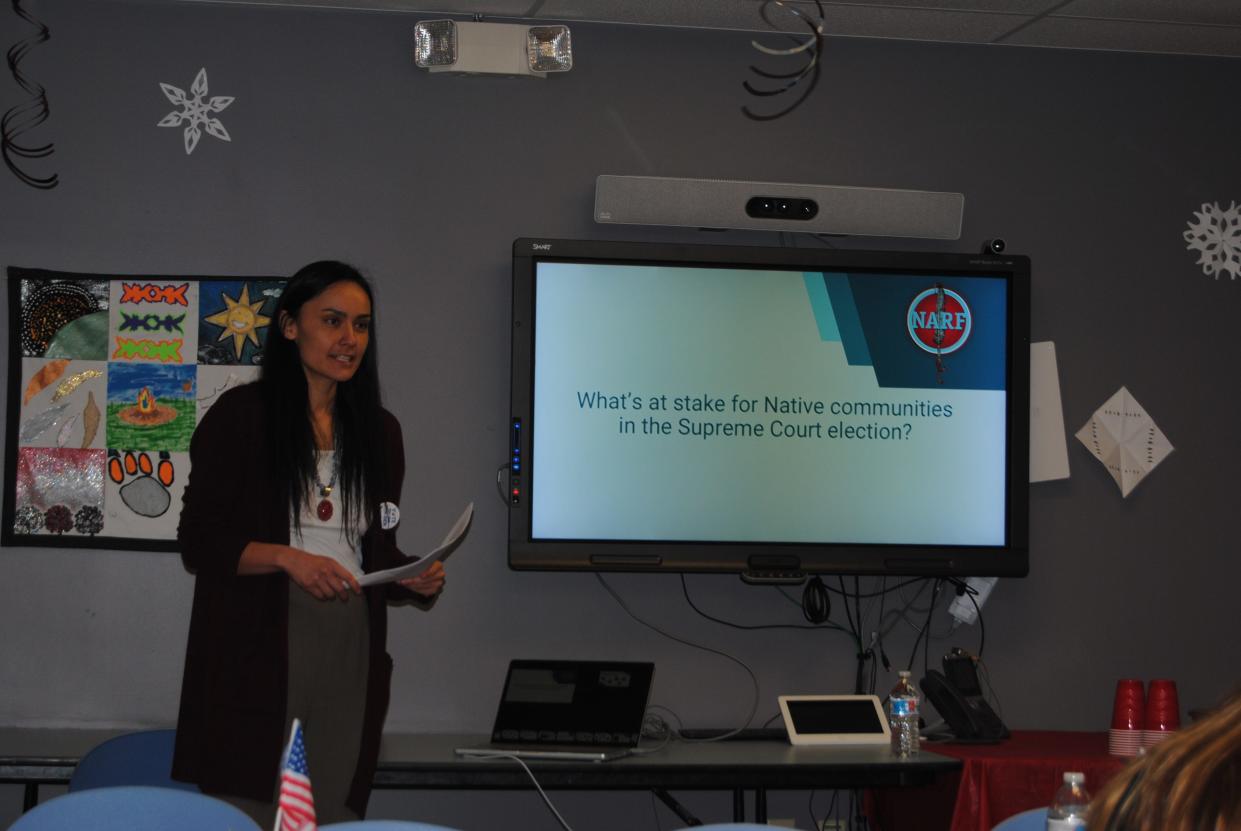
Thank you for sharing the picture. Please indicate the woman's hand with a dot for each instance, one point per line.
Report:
(429, 583)
(322, 577)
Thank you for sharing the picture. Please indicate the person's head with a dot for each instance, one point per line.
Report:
(324, 336)
(1191, 781)
(324, 328)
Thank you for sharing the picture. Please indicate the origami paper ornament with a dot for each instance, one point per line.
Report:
(1125, 439)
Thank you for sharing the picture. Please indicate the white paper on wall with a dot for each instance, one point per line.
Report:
(1049, 452)
(1125, 439)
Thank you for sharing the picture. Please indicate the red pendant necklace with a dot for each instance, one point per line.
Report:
(324, 509)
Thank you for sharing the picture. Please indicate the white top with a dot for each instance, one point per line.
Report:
(328, 538)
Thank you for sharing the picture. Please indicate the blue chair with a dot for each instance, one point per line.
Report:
(1033, 820)
(143, 758)
(137, 808)
(388, 825)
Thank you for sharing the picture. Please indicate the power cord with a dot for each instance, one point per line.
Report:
(499, 485)
(863, 653)
(753, 678)
(926, 630)
(816, 603)
(885, 590)
(831, 809)
(877, 636)
(982, 627)
(992, 695)
(659, 826)
(722, 622)
(658, 722)
(654, 726)
(530, 773)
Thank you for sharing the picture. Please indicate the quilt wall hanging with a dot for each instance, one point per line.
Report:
(108, 376)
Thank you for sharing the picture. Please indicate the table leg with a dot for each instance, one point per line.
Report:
(760, 806)
(31, 796)
(738, 805)
(677, 808)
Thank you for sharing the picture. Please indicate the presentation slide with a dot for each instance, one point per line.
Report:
(712, 404)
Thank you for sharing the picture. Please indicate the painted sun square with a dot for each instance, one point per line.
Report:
(109, 375)
(233, 320)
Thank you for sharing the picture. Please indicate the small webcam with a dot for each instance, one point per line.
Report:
(994, 246)
(780, 207)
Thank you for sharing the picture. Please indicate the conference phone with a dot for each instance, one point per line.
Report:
(957, 695)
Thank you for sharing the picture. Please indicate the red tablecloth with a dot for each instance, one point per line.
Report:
(995, 782)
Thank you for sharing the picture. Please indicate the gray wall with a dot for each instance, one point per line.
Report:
(1091, 163)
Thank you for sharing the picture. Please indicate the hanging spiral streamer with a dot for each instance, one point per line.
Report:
(26, 116)
(810, 49)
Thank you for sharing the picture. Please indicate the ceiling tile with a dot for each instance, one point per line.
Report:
(1192, 27)
(1130, 36)
(873, 20)
(1209, 12)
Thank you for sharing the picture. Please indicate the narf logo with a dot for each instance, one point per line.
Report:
(939, 320)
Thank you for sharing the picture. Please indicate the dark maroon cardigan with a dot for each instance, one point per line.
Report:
(231, 723)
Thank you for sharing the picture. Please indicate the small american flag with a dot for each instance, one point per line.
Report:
(297, 803)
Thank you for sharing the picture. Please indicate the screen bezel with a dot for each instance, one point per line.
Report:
(525, 552)
(882, 734)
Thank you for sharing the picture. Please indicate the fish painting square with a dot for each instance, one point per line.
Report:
(151, 406)
(62, 403)
(153, 321)
(234, 319)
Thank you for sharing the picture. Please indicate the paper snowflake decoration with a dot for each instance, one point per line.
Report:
(1217, 237)
(196, 111)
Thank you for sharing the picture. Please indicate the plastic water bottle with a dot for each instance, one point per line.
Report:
(903, 717)
(1069, 805)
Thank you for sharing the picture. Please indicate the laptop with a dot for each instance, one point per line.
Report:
(569, 710)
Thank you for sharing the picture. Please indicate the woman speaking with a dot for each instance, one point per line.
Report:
(293, 486)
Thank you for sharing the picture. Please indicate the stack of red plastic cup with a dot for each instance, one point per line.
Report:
(1127, 736)
(1163, 712)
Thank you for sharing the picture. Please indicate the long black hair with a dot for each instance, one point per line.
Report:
(356, 415)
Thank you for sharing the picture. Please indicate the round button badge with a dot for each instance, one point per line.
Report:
(389, 515)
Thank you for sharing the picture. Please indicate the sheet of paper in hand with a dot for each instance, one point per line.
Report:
(453, 539)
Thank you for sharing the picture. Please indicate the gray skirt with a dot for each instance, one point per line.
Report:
(329, 643)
